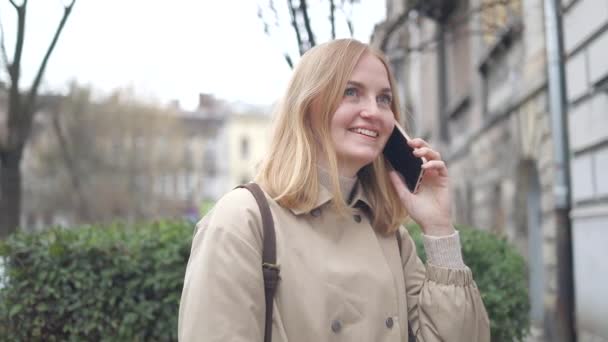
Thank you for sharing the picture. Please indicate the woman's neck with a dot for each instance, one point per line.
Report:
(343, 170)
(346, 183)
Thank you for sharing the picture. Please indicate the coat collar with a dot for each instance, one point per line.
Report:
(358, 198)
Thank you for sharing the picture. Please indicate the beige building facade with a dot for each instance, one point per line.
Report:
(248, 136)
(230, 139)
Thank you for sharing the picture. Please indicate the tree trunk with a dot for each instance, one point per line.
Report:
(10, 191)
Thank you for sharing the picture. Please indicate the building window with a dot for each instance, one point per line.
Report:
(210, 161)
(501, 24)
(397, 64)
(245, 147)
(458, 55)
(458, 70)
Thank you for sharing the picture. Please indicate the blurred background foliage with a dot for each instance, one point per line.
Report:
(97, 155)
(500, 274)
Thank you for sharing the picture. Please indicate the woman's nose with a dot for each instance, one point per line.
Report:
(369, 109)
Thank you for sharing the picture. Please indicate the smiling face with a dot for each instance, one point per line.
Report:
(363, 121)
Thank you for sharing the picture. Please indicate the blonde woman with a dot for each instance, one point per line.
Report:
(336, 208)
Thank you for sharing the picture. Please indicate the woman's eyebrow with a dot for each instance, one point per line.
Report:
(361, 85)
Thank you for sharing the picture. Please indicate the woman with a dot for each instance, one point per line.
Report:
(336, 207)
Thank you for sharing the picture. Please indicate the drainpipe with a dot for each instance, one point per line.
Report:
(563, 326)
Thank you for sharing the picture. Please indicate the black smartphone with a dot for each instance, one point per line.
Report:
(401, 157)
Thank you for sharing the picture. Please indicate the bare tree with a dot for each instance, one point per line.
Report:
(22, 106)
(103, 159)
(71, 165)
(301, 24)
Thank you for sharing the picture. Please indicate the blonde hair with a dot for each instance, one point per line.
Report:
(289, 173)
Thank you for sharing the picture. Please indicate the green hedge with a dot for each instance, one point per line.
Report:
(117, 283)
(501, 276)
(123, 283)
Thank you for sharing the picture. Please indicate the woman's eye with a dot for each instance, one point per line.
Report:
(350, 91)
(385, 99)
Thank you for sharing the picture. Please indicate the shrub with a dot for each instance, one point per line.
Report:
(123, 283)
(500, 274)
(115, 283)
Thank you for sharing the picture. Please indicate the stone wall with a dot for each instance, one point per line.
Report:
(501, 159)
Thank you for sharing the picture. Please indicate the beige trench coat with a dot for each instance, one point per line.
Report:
(340, 281)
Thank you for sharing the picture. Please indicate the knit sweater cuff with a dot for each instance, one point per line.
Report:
(444, 251)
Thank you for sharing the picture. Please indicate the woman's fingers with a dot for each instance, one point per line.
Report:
(423, 149)
(427, 153)
(418, 142)
(436, 165)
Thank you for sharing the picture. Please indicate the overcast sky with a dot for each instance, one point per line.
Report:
(171, 49)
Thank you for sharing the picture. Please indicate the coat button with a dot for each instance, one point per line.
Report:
(316, 212)
(336, 326)
(357, 218)
(389, 322)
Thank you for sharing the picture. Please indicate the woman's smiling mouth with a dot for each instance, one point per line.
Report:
(364, 131)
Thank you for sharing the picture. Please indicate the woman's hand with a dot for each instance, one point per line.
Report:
(431, 206)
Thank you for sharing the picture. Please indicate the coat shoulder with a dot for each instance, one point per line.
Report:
(235, 201)
(237, 213)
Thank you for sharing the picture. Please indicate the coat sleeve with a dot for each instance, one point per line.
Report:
(223, 294)
(444, 303)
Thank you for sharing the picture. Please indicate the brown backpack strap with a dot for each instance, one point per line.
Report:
(410, 332)
(270, 269)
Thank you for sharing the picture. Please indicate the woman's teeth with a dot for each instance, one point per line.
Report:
(364, 131)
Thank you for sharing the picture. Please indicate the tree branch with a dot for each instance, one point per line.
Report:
(14, 4)
(5, 60)
(17, 121)
(294, 23)
(311, 36)
(261, 17)
(70, 165)
(274, 11)
(348, 18)
(332, 18)
(288, 60)
(15, 69)
(34, 89)
(349, 24)
(275, 24)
